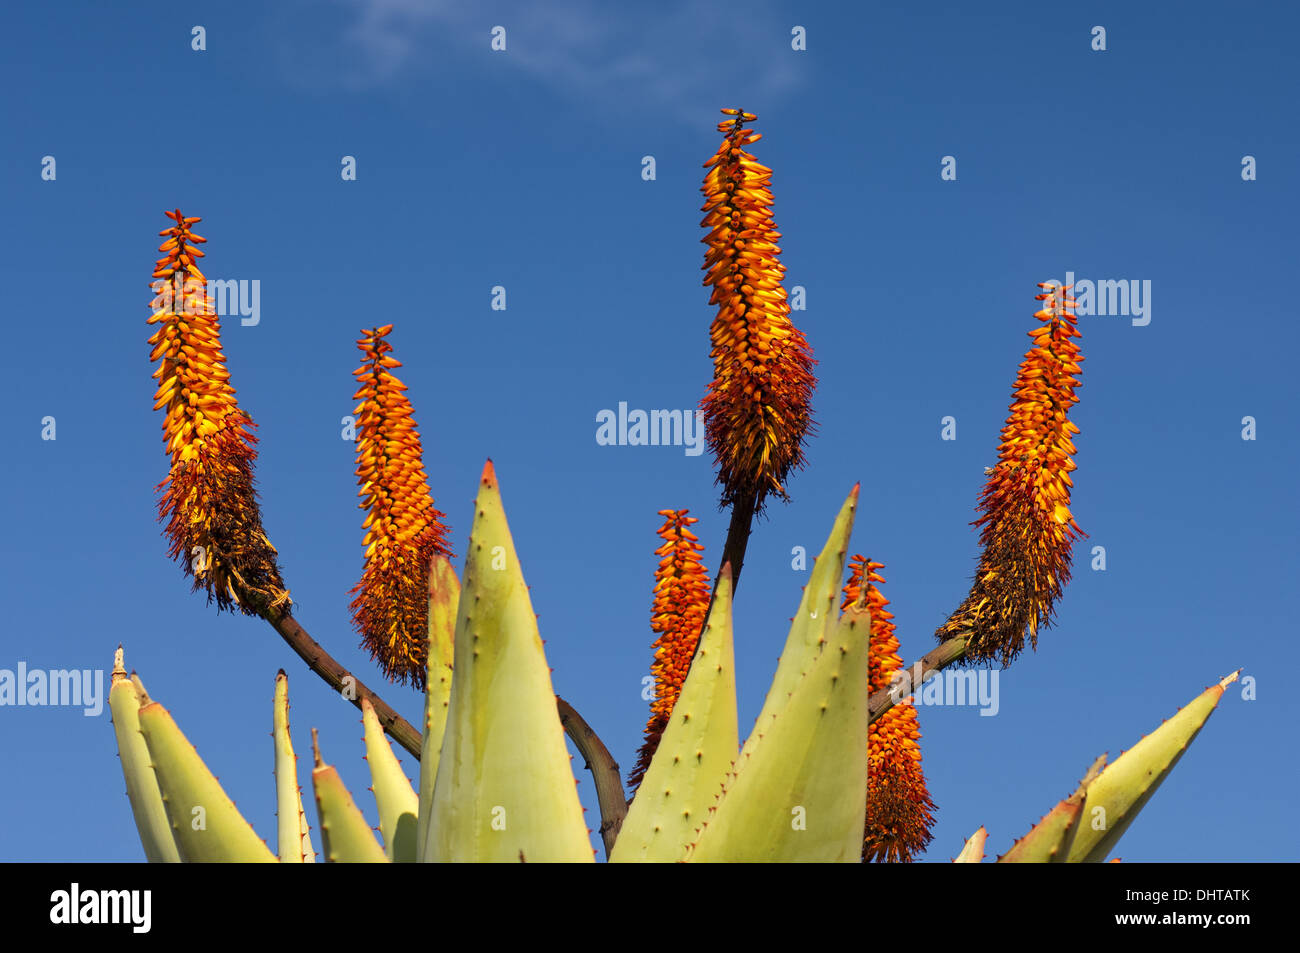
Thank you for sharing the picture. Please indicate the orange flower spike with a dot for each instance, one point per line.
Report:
(757, 411)
(403, 529)
(899, 808)
(208, 501)
(681, 600)
(1027, 531)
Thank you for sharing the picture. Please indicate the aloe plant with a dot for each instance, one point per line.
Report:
(831, 769)
(504, 790)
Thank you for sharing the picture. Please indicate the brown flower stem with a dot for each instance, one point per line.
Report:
(601, 764)
(733, 551)
(341, 680)
(908, 680)
(742, 519)
(604, 770)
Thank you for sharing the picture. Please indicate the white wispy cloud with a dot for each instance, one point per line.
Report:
(673, 57)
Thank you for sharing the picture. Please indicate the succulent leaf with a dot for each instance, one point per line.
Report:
(697, 749)
(191, 794)
(799, 786)
(444, 594)
(124, 699)
(1049, 840)
(396, 799)
(1117, 795)
(815, 617)
(973, 851)
(346, 836)
(294, 835)
(797, 791)
(504, 789)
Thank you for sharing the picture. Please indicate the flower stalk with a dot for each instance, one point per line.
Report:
(899, 808)
(1027, 528)
(208, 501)
(757, 411)
(403, 529)
(681, 602)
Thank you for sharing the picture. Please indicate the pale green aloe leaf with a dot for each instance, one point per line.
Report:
(1049, 840)
(505, 790)
(124, 700)
(816, 617)
(444, 594)
(394, 795)
(696, 751)
(797, 791)
(139, 687)
(294, 836)
(973, 850)
(205, 823)
(1116, 796)
(346, 836)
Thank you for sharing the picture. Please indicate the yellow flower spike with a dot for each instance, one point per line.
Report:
(899, 808)
(681, 601)
(403, 529)
(757, 411)
(1028, 531)
(208, 500)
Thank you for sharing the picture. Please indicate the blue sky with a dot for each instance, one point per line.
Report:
(522, 169)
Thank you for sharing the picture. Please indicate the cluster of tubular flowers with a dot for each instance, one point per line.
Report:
(757, 411)
(899, 809)
(1027, 529)
(681, 601)
(403, 529)
(208, 503)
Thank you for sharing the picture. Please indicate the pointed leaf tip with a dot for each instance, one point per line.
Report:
(804, 756)
(397, 802)
(125, 700)
(972, 851)
(1050, 839)
(292, 831)
(502, 727)
(1126, 785)
(695, 752)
